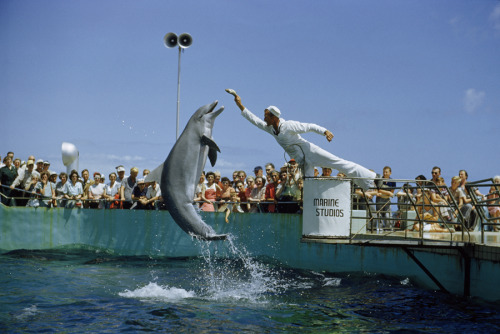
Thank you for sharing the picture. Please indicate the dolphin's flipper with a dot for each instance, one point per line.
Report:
(210, 143)
(212, 149)
(155, 175)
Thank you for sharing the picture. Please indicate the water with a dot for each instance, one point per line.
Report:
(82, 291)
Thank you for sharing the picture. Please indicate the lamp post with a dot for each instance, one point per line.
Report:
(183, 41)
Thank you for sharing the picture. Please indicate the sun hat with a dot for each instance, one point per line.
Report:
(274, 110)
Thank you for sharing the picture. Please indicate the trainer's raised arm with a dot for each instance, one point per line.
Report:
(237, 99)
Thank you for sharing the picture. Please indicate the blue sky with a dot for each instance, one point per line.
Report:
(409, 84)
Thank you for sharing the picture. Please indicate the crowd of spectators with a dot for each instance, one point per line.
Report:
(269, 189)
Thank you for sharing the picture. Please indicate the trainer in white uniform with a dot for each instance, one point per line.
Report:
(287, 135)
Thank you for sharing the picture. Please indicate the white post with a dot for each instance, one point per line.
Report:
(178, 94)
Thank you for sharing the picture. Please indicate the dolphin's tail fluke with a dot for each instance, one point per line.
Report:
(216, 237)
(211, 237)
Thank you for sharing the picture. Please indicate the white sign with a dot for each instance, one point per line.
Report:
(327, 207)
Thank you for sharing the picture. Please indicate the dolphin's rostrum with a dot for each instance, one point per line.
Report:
(179, 174)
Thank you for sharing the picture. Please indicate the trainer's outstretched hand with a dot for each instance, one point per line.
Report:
(231, 91)
(237, 99)
(329, 135)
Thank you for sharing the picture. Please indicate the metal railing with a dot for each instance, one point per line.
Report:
(415, 210)
(427, 212)
(481, 203)
(28, 195)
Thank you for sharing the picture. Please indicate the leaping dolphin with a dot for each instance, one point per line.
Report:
(179, 174)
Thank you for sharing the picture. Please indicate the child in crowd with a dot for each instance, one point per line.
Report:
(233, 205)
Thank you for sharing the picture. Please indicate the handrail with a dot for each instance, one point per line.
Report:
(483, 204)
(411, 190)
(40, 196)
(407, 190)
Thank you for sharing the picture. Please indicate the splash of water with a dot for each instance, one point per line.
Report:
(238, 276)
(155, 291)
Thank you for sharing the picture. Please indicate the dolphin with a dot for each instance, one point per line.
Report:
(180, 173)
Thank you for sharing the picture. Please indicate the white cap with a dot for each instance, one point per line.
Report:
(120, 169)
(274, 110)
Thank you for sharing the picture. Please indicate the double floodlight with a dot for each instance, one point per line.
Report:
(184, 40)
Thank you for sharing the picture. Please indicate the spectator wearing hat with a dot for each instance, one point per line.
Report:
(287, 134)
(46, 166)
(23, 164)
(39, 166)
(139, 196)
(120, 170)
(127, 187)
(97, 193)
(53, 178)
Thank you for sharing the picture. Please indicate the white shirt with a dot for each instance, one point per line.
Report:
(97, 190)
(112, 191)
(153, 192)
(289, 134)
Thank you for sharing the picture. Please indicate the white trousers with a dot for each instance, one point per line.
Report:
(315, 156)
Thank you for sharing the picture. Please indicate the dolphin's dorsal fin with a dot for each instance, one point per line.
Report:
(155, 175)
(212, 149)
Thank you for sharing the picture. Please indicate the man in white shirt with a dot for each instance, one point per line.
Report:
(153, 194)
(287, 135)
